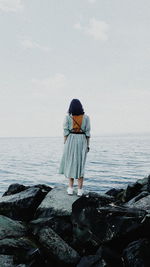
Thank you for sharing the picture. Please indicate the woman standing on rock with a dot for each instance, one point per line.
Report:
(76, 139)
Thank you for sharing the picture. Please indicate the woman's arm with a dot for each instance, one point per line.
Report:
(66, 128)
(65, 138)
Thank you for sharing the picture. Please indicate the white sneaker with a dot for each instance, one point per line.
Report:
(70, 190)
(80, 192)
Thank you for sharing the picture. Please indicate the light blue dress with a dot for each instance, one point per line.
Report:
(75, 149)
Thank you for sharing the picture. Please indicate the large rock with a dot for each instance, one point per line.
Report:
(137, 254)
(60, 224)
(11, 228)
(21, 206)
(57, 248)
(17, 188)
(56, 203)
(6, 261)
(23, 250)
(143, 203)
(94, 224)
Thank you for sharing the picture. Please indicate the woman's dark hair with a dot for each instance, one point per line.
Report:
(75, 107)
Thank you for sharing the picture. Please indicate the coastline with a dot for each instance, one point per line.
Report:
(43, 226)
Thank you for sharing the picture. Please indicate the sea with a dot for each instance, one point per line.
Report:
(114, 161)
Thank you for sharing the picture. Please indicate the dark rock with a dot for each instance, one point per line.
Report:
(17, 188)
(137, 254)
(131, 191)
(57, 248)
(61, 225)
(21, 206)
(93, 225)
(110, 256)
(56, 203)
(22, 248)
(11, 228)
(114, 192)
(90, 261)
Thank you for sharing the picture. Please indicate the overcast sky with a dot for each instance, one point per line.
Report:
(54, 50)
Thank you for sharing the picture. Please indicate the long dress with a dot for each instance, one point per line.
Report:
(75, 148)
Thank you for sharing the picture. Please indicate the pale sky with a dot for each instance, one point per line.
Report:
(52, 51)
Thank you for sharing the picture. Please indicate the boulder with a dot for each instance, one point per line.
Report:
(23, 250)
(17, 188)
(11, 228)
(56, 203)
(131, 191)
(6, 261)
(91, 261)
(135, 199)
(143, 204)
(94, 224)
(137, 254)
(60, 224)
(21, 206)
(57, 248)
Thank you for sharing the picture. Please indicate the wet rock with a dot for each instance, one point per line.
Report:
(137, 253)
(56, 203)
(11, 228)
(21, 206)
(57, 248)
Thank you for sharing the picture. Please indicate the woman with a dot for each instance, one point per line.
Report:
(76, 139)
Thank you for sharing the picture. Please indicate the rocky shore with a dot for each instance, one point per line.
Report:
(42, 226)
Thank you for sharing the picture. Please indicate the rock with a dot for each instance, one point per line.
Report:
(131, 191)
(57, 248)
(91, 261)
(114, 192)
(137, 253)
(135, 199)
(21, 206)
(56, 203)
(93, 225)
(60, 224)
(23, 250)
(143, 203)
(6, 261)
(11, 228)
(16, 188)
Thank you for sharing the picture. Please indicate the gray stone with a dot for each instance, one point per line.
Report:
(57, 247)
(143, 204)
(21, 206)
(56, 203)
(11, 228)
(6, 261)
(135, 199)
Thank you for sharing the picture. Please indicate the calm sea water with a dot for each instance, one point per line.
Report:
(113, 161)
